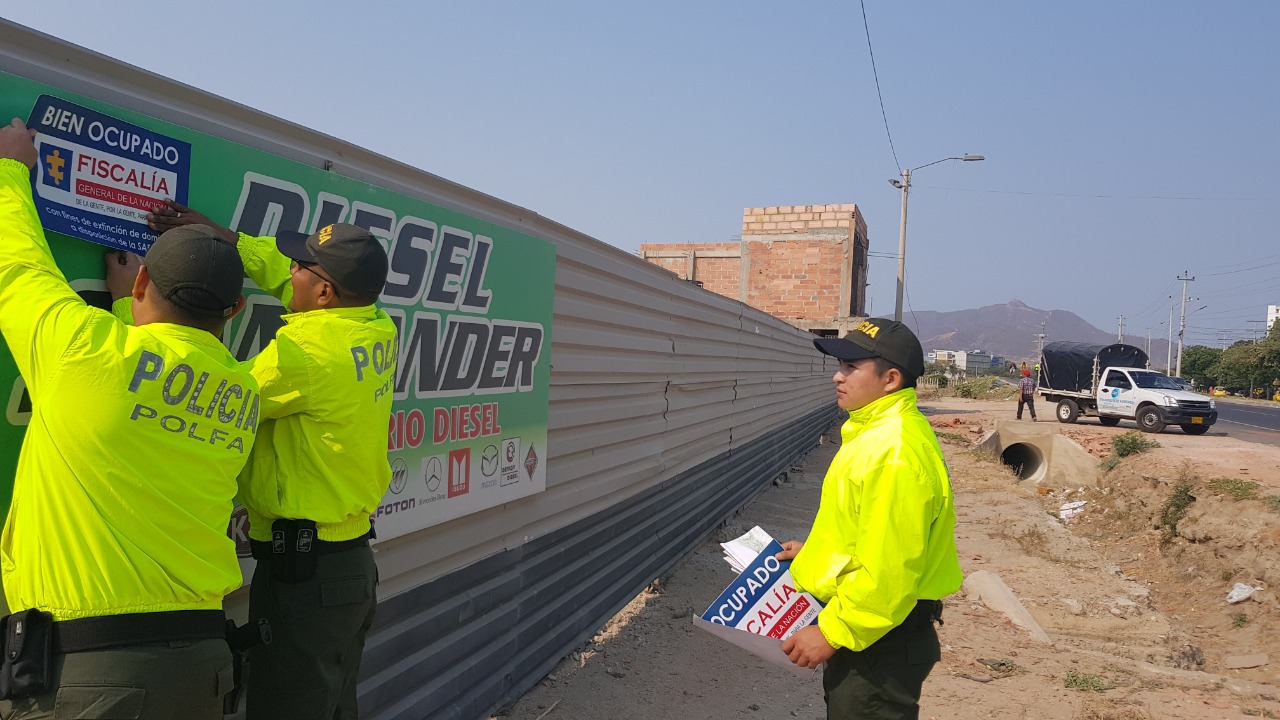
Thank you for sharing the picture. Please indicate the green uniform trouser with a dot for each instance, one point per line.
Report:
(318, 626)
(883, 682)
(166, 681)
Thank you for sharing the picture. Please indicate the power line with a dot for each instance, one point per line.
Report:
(1099, 197)
(1268, 285)
(1156, 304)
(1217, 313)
(1232, 272)
(876, 75)
(1244, 262)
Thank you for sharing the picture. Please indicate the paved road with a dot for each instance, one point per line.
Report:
(1253, 422)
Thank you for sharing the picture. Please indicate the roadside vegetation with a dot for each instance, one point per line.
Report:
(1247, 368)
(1175, 508)
(1130, 443)
(982, 387)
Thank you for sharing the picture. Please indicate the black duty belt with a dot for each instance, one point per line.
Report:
(107, 631)
(262, 548)
(925, 612)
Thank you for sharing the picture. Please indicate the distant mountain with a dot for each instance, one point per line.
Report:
(1011, 331)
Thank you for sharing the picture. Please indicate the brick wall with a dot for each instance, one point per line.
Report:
(797, 279)
(795, 265)
(717, 266)
(687, 247)
(720, 275)
(674, 264)
(799, 218)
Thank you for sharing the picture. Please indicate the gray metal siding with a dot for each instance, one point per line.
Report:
(670, 407)
(460, 645)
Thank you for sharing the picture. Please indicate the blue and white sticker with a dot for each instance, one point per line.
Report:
(98, 176)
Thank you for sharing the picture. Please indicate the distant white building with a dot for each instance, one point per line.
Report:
(964, 361)
(942, 357)
(1273, 312)
(972, 360)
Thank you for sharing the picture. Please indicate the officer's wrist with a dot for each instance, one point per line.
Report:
(826, 637)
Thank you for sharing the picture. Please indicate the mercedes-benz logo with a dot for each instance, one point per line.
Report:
(435, 471)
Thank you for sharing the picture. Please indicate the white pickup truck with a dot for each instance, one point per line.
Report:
(1112, 383)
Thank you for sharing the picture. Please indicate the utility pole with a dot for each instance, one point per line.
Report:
(902, 244)
(1255, 330)
(1168, 351)
(1148, 345)
(1182, 321)
(1120, 332)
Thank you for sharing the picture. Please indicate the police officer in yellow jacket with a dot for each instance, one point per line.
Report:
(117, 532)
(881, 553)
(320, 467)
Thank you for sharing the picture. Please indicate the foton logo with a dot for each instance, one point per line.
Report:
(459, 472)
(238, 530)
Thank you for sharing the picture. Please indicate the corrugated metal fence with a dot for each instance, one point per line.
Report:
(670, 408)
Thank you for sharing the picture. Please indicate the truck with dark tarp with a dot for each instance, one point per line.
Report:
(1113, 383)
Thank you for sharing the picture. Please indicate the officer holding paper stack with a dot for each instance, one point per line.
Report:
(881, 553)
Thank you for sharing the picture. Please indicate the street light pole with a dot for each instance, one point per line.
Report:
(905, 186)
(1182, 322)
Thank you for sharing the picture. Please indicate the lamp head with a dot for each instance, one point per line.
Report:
(895, 183)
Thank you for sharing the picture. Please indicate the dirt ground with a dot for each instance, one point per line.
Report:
(1132, 594)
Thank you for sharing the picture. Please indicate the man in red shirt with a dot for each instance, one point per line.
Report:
(1027, 394)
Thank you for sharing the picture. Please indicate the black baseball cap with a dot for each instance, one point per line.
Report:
(196, 269)
(351, 255)
(877, 338)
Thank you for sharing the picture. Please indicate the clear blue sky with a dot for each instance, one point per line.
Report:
(1126, 143)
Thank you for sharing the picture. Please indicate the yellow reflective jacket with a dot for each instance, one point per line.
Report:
(327, 384)
(884, 535)
(128, 469)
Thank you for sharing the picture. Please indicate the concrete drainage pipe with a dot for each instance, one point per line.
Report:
(1026, 460)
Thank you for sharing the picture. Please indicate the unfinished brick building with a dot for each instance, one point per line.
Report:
(806, 264)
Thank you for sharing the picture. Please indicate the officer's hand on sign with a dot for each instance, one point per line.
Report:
(173, 214)
(15, 143)
(808, 648)
(122, 273)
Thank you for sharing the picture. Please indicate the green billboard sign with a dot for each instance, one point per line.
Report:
(473, 300)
